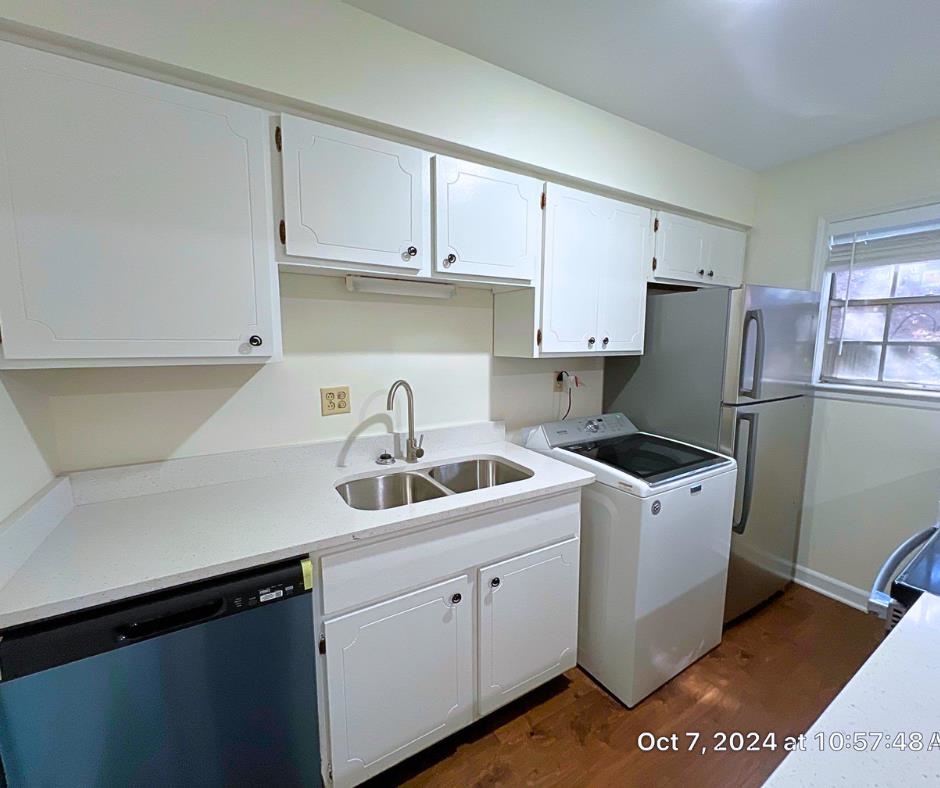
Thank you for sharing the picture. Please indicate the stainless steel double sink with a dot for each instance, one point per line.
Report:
(400, 488)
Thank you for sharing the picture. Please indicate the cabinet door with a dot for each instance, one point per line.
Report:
(726, 256)
(399, 677)
(133, 217)
(621, 314)
(354, 199)
(488, 222)
(682, 248)
(576, 239)
(528, 622)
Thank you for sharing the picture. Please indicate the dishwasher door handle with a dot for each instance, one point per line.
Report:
(36, 646)
(879, 600)
(162, 625)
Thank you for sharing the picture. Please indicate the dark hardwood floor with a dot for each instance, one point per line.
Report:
(775, 671)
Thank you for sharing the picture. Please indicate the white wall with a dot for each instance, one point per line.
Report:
(873, 475)
(333, 56)
(99, 417)
(23, 470)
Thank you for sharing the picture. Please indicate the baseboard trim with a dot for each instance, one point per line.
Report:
(832, 588)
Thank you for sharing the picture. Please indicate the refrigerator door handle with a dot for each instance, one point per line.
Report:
(752, 317)
(749, 462)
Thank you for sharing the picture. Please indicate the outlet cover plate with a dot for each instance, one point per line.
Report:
(334, 400)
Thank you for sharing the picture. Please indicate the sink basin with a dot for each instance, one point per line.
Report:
(470, 475)
(389, 491)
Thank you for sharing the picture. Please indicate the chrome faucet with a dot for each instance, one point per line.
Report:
(414, 451)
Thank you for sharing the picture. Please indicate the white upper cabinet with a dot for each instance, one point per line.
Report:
(488, 222)
(621, 305)
(134, 220)
(688, 250)
(576, 240)
(592, 295)
(528, 622)
(354, 201)
(399, 676)
(727, 256)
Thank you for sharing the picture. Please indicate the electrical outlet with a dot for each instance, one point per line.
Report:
(334, 401)
(559, 380)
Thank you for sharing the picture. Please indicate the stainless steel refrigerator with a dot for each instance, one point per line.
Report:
(731, 371)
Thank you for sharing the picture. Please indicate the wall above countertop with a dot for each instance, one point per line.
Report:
(329, 58)
(91, 418)
(23, 468)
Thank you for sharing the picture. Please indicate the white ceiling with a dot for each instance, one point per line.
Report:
(756, 82)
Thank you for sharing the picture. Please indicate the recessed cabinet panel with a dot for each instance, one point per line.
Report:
(621, 311)
(353, 198)
(528, 622)
(487, 221)
(133, 217)
(399, 677)
(681, 248)
(576, 239)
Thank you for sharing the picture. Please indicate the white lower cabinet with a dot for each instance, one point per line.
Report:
(399, 677)
(528, 622)
(495, 614)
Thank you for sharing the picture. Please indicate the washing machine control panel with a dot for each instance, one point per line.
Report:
(607, 425)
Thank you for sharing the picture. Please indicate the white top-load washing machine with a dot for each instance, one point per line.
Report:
(655, 541)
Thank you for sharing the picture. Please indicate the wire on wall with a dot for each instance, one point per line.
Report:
(570, 382)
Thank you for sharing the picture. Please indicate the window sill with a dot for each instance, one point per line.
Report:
(905, 398)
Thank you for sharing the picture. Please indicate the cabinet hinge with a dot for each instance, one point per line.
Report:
(277, 139)
(321, 647)
(655, 221)
(282, 232)
(543, 201)
(654, 263)
(538, 337)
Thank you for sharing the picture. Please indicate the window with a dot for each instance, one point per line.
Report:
(881, 297)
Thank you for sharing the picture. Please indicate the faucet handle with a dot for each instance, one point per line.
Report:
(419, 452)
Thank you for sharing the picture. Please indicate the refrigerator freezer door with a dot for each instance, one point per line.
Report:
(771, 339)
(770, 442)
(674, 389)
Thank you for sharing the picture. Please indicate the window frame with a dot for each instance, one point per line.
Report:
(874, 391)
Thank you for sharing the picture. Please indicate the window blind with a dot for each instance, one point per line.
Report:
(905, 245)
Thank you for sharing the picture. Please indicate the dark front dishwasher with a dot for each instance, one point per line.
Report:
(208, 684)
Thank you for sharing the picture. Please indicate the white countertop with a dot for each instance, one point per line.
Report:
(897, 691)
(106, 550)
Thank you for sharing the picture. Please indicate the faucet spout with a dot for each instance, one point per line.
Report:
(414, 452)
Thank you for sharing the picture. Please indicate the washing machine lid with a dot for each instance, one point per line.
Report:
(654, 459)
